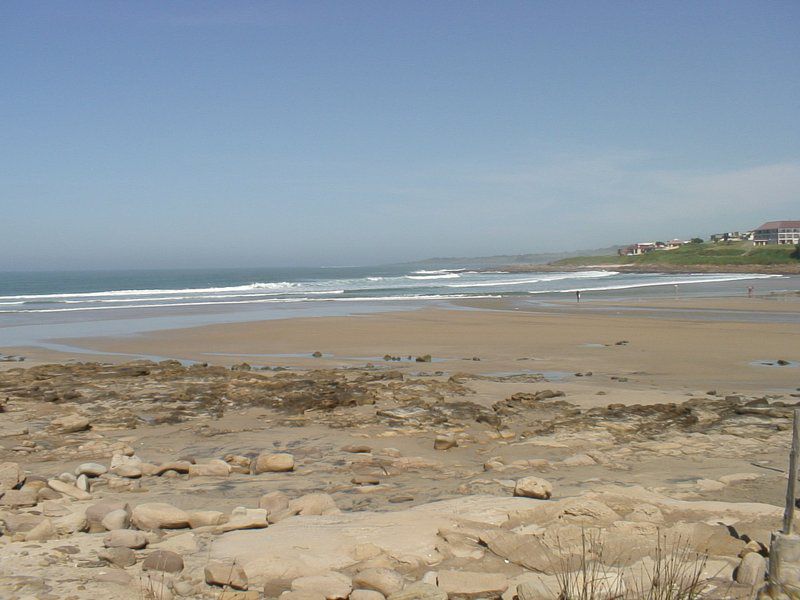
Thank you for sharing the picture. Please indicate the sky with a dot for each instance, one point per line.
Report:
(155, 134)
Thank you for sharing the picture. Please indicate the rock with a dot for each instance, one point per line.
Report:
(244, 518)
(82, 483)
(536, 589)
(71, 523)
(332, 585)
(10, 476)
(19, 498)
(20, 523)
(124, 459)
(385, 581)
(118, 556)
(185, 588)
(164, 561)
(41, 532)
(751, 570)
(159, 515)
(116, 519)
(528, 551)
(130, 471)
(90, 469)
(125, 538)
(97, 512)
(206, 518)
(70, 424)
(466, 585)
(533, 487)
(418, 591)
(444, 442)
(274, 463)
(274, 502)
(214, 468)
(301, 596)
(356, 449)
(225, 575)
(179, 466)
(367, 595)
(314, 504)
(365, 480)
(67, 478)
(68, 490)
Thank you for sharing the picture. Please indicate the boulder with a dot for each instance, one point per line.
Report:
(419, 591)
(90, 469)
(179, 466)
(274, 502)
(71, 523)
(244, 518)
(125, 538)
(368, 595)
(385, 581)
(159, 515)
(301, 595)
(206, 518)
(751, 570)
(130, 471)
(214, 468)
(41, 532)
(19, 498)
(533, 487)
(314, 504)
(274, 463)
(444, 442)
(70, 424)
(11, 475)
(164, 561)
(116, 519)
(68, 489)
(119, 556)
(225, 575)
(332, 585)
(98, 511)
(466, 585)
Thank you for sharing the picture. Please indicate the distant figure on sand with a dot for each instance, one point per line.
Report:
(749, 291)
(577, 295)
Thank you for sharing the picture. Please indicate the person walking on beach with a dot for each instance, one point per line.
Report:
(577, 295)
(749, 291)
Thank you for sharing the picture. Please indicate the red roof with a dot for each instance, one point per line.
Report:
(780, 225)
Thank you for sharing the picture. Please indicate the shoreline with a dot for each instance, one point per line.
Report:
(671, 344)
(650, 268)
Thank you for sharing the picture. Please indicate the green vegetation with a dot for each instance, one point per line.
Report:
(707, 253)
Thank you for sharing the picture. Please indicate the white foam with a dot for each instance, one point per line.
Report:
(429, 277)
(255, 301)
(538, 279)
(111, 293)
(627, 286)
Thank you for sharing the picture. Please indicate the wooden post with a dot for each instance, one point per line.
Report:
(788, 514)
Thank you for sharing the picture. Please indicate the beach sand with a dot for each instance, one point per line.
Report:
(670, 419)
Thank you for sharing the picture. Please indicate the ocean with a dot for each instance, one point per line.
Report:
(37, 306)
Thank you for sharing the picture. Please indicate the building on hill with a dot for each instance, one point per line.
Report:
(637, 249)
(729, 236)
(777, 232)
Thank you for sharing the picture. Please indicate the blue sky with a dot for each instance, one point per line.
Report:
(150, 134)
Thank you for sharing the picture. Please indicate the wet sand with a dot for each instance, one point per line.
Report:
(664, 352)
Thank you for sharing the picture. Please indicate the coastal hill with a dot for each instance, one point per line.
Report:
(693, 257)
(730, 256)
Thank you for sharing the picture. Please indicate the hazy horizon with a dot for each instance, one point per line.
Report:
(196, 134)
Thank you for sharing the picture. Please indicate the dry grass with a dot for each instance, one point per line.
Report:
(674, 573)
